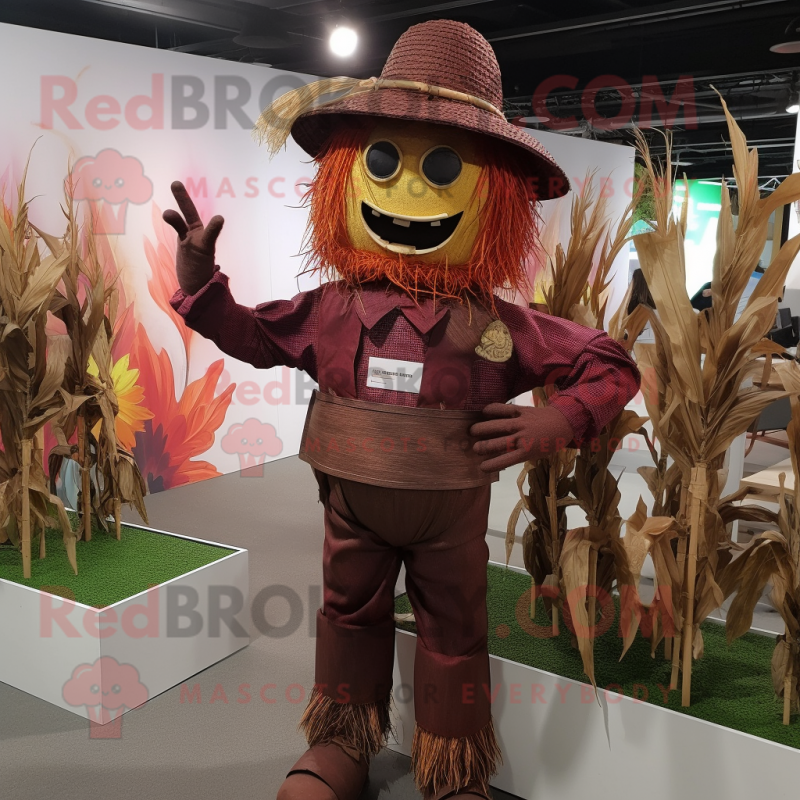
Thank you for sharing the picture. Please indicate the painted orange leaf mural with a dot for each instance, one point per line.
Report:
(180, 429)
(163, 282)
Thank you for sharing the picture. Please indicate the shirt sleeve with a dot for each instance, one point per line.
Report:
(280, 332)
(593, 375)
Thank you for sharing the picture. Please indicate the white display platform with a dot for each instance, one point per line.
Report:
(150, 642)
(571, 747)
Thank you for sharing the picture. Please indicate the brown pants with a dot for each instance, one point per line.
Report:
(440, 537)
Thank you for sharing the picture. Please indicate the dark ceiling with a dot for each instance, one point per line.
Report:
(724, 44)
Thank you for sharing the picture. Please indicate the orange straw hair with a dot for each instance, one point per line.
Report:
(507, 237)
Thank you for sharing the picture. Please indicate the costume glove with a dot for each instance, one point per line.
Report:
(515, 434)
(194, 261)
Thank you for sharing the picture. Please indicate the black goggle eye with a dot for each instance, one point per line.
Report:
(382, 160)
(441, 166)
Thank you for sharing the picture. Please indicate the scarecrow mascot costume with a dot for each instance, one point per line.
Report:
(423, 205)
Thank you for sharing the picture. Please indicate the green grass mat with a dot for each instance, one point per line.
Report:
(731, 686)
(109, 570)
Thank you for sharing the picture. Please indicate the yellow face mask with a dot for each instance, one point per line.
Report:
(415, 191)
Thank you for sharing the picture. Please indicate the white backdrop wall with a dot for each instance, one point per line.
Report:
(147, 117)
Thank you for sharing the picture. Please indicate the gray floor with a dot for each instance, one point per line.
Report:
(188, 751)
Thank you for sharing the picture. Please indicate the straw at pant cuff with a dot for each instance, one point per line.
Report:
(362, 728)
(440, 763)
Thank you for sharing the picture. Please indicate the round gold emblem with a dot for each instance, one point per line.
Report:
(496, 344)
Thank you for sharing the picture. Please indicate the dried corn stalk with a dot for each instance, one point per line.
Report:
(87, 307)
(774, 557)
(31, 373)
(582, 563)
(701, 366)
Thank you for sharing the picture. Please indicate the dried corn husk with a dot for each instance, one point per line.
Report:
(654, 536)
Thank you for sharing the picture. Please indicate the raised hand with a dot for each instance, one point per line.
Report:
(514, 434)
(194, 261)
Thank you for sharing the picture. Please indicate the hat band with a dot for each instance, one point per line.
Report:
(434, 91)
(275, 123)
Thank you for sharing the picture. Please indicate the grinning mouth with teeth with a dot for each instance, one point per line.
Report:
(410, 235)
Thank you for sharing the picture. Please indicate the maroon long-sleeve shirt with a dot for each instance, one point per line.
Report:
(593, 375)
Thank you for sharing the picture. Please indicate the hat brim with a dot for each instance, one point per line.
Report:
(312, 130)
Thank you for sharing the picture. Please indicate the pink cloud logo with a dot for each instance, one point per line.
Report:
(107, 688)
(252, 440)
(110, 181)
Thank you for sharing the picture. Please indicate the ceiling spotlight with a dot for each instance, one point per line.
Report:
(791, 40)
(343, 41)
(793, 103)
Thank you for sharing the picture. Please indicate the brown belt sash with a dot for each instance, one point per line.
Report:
(392, 446)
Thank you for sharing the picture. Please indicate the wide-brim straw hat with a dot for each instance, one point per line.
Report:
(440, 71)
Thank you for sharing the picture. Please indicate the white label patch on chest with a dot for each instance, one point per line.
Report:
(397, 376)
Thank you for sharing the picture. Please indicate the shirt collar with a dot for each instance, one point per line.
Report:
(373, 302)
